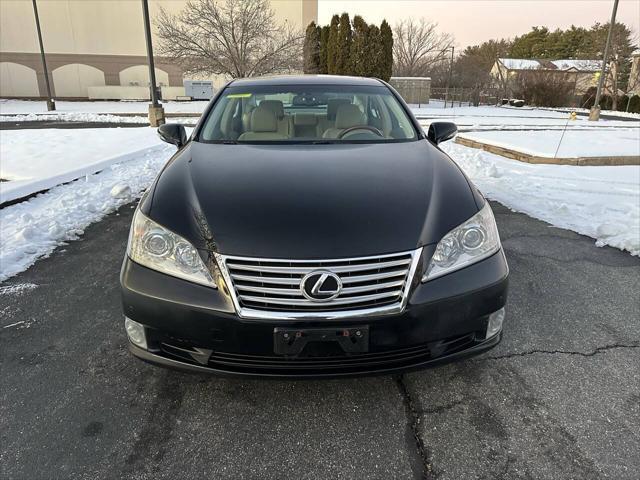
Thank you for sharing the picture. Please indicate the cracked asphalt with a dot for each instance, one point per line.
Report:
(559, 398)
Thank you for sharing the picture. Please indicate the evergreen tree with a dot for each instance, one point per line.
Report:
(324, 41)
(573, 44)
(374, 53)
(343, 46)
(552, 48)
(311, 49)
(386, 61)
(360, 61)
(531, 45)
(332, 45)
(619, 55)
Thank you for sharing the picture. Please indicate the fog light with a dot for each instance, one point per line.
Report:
(135, 332)
(495, 323)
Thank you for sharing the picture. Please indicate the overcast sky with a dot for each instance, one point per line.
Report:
(473, 21)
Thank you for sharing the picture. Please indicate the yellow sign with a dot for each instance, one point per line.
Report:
(239, 95)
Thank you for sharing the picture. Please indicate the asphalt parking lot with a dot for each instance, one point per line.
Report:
(559, 398)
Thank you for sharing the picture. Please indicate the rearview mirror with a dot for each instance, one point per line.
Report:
(441, 131)
(173, 133)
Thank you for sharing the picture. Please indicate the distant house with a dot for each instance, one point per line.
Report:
(582, 73)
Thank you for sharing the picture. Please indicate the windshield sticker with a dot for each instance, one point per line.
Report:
(240, 95)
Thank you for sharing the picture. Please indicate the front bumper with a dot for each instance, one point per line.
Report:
(193, 327)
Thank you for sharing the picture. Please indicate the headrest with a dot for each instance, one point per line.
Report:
(275, 106)
(263, 120)
(332, 106)
(349, 116)
(305, 119)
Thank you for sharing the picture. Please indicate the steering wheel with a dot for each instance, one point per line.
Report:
(347, 131)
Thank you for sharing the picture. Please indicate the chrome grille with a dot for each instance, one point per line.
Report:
(270, 288)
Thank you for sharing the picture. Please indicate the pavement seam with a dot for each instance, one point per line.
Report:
(413, 414)
(594, 352)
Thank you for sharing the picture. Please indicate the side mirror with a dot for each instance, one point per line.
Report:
(441, 131)
(173, 133)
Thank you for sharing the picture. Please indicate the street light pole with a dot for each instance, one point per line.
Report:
(51, 105)
(156, 112)
(446, 93)
(594, 114)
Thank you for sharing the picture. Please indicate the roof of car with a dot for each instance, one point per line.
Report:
(305, 80)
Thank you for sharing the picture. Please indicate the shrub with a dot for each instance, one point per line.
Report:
(544, 88)
(634, 104)
(588, 98)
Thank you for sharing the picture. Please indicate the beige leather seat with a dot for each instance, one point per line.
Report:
(325, 123)
(246, 118)
(348, 116)
(264, 126)
(285, 123)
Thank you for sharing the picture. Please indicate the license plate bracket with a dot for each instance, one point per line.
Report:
(291, 341)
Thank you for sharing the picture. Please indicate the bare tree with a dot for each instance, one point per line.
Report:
(417, 45)
(238, 38)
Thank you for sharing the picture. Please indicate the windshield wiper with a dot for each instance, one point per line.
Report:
(323, 142)
(229, 142)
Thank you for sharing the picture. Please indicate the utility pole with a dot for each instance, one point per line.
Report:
(446, 93)
(51, 105)
(156, 112)
(594, 114)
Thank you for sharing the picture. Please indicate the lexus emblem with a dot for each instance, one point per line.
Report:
(320, 286)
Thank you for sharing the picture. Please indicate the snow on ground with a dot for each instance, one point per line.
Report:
(617, 113)
(33, 229)
(34, 160)
(72, 117)
(572, 143)
(600, 202)
(38, 106)
(486, 116)
(490, 117)
(436, 107)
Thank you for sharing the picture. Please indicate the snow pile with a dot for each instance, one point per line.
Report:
(35, 160)
(73, 117)
(600, 202)
(33, 229)
(569, 144)
(17, 288)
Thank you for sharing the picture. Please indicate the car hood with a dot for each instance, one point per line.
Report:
(311, 201)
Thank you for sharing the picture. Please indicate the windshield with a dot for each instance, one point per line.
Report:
(307, 113)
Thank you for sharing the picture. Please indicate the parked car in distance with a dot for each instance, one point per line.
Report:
(308, 227)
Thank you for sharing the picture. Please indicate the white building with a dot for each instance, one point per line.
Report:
(96, 43)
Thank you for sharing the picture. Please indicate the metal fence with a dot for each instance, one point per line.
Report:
(459, 97)
(414, 90)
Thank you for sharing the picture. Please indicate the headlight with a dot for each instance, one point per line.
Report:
(155, 247)
(474, 240)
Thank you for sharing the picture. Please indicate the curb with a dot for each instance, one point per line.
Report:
(528, 158)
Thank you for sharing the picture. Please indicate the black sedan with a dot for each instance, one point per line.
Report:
(309, 228)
